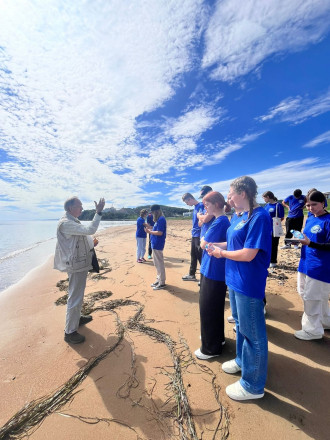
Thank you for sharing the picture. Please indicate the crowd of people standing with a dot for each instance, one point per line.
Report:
(234, 255)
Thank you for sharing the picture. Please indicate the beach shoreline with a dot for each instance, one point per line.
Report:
(129, 392)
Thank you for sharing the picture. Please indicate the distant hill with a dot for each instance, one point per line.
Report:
(131, 213)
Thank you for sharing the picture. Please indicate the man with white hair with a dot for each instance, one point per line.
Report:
(73, 254)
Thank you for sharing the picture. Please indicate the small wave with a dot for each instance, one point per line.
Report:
(21, 251)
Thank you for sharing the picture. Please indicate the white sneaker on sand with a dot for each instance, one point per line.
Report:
(305, 336)
(286, 246)
(230, 319)
(204, 357)
(231, 367)
(273, 265)
(236, 392)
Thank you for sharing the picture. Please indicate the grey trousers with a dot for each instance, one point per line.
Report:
(159, 265)
(77, 284)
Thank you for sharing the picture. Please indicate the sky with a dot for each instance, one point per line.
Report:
(142, 101)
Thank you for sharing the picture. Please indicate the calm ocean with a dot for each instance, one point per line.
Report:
(25, 245)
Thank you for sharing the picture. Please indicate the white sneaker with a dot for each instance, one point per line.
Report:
(296, 246)
(204, 357)
(230, 319)
(236, 392)
(154, 284)
(273, 264)
(305, 336)
(265, 311)
(231, 367)
(286, 246)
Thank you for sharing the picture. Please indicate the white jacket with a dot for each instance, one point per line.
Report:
(74, 247)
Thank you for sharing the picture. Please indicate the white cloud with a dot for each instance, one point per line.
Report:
(75, 78)
(298, 109)
(194, 122)
(242, 34)
(323, 138)
(282, 180)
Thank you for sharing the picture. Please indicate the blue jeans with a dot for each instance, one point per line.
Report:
(251, 340)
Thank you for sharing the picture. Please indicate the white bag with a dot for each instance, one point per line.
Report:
(277, 225)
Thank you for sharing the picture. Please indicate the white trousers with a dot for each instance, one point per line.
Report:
(159, 265)
(315, 295)
(77, 284)
(141, 247)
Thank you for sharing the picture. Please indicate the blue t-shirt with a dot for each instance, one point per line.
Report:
(296, 206)
(205, 226)
(158, 241)
(150, 219)
(314, 262)
(255, 232)
(271, 209)
(211, 267)
(236, 218)
(140, 232)
(196, 230)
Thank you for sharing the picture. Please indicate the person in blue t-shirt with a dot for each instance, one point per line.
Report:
(212, 286)
(313, 270)
(150, 221)
(158, 236)
(295, 219)
(274, 209)
(195, 250)
(247, 253)
(204, 218)
(308, 193)
(141, 236)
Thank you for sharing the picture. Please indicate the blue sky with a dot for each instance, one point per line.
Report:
(141, 102)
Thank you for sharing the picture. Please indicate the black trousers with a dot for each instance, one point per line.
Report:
(293, 223)
(195, 255)
(273, 256)
(149, 246)
(211, 308)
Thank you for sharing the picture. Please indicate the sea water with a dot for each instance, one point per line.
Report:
(25, 245)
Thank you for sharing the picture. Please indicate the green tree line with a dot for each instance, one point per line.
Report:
(131, 213)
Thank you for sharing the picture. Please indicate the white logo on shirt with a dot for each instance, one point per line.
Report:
(301, 201)
(315, 229)
(240, 225)
(271, 209)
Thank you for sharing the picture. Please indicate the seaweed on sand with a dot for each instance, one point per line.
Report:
(29, 418)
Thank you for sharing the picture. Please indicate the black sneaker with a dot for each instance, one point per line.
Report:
(154, 284)
(74, 338)
(189, 278)
(159, 286)
(84, 319)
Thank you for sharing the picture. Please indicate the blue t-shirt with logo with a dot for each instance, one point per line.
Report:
(140, 232)
(158, 241)
(205, 226)
(271, 208)
(315, 262)
(296, 206)
(254, 232)
(211, 267)
(196, 230)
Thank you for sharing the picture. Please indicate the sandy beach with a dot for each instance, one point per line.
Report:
(136, 377)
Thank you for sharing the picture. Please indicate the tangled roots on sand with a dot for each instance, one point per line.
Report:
(29, 418)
